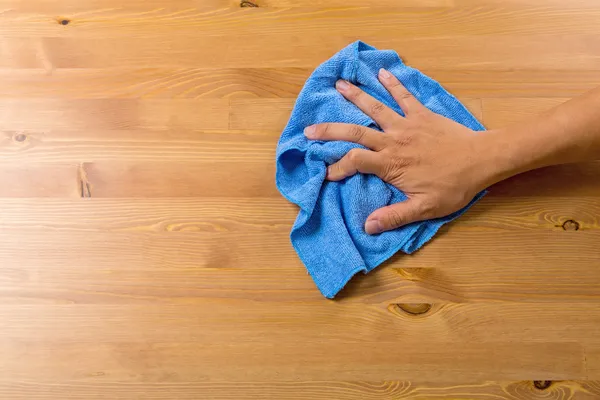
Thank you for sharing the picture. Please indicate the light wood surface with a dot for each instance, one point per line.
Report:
(144, 250)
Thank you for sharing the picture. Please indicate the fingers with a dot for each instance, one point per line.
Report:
(394, 216)
(356, 160)
(346, 132)
(380, 113)
(407, 102)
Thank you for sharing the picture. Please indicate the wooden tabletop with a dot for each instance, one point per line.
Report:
(144, 249)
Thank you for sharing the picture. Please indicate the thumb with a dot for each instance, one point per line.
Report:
(394, 216)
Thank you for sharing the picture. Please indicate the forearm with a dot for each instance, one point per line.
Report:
(568, 133)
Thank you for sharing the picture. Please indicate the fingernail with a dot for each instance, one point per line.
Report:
(310, 130)
(373, 226)
(384, 74)
(342, 85)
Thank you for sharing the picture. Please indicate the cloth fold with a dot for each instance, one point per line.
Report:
(328, 233)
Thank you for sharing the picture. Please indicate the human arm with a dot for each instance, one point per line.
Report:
(441, 165)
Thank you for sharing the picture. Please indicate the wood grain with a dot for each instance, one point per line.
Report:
(74, 6)
(223, 321)
(500, 112)
(267, 83)
(182, 266)
(241, 114)
(422, 22)
(247, 214)
(136, 145)
(572, 52)
(238, 178)
(144, 248)
(114, 114)
(182, 179)
(592, 352)
(348, 390)
(156, 83)
(29, 180)
(529, 3)
(304, 360)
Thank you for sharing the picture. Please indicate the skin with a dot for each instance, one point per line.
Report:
(440, 164)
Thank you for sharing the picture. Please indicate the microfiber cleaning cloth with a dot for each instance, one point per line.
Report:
(328, 234)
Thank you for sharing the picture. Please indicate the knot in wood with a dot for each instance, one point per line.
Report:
(542, 385)
(570, 225)
(414, 308)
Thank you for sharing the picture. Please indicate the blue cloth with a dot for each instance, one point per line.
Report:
(328, 234)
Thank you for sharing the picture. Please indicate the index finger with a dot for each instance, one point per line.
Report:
(368, 137)
(379, 112)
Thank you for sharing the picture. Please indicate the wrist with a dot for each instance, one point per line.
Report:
(497, 158)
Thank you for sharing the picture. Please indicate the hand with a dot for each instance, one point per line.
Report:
(436, 162)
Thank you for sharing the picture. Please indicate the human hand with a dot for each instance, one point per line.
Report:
(438, 163)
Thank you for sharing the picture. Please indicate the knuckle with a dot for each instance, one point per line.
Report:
(354, 156)
(424, 113)
(404, 140)
(426, 208)
(356, 132)
(401, 163)
(404, 94)
(377, 108)
(394, 218)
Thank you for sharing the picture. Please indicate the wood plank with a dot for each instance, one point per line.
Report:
(223, 321)
(187, 114)
(496, 52)
(325, 390)
(302, 360)
(159, 215)
(96, 7)
(315, 18)
(268, 214)
(268, 83)
(236, 178)
(46, 266)
(137, 145)
(113, 114)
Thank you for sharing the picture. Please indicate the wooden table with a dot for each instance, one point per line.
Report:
(144, 249)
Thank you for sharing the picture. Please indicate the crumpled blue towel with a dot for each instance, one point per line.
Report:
(328, 234)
